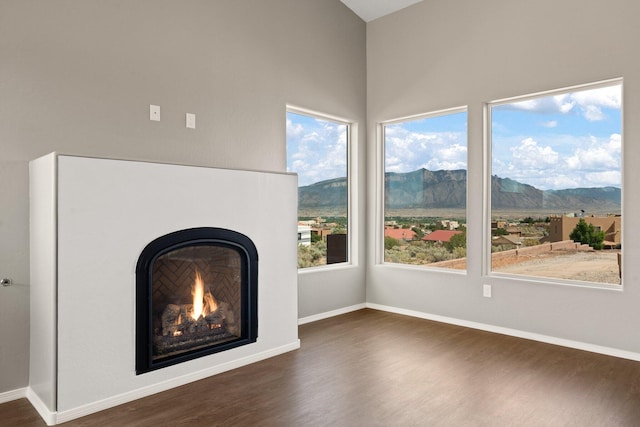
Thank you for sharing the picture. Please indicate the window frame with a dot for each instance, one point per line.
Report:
(380, 188)
(487, 272)
(351, 161)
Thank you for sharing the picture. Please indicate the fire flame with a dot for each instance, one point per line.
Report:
(203, 303)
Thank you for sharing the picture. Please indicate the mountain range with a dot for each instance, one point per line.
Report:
(447, 189)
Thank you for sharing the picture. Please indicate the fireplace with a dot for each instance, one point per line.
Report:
(196, 294)
(101, 227)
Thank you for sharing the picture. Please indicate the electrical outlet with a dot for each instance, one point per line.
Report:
(486, 291)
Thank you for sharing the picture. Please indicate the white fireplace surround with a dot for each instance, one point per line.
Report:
(90, 220)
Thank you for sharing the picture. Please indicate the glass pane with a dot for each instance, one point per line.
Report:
(425, 191)
(556, 180)
(196, 299)
(317, 151)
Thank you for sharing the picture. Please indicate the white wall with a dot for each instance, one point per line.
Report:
(77, 77)
(441, 54)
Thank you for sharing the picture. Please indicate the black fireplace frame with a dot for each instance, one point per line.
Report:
(144, 279)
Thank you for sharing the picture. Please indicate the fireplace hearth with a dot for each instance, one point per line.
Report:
(196, 295)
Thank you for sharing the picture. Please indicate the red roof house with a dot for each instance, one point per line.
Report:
(441, 236)
(400, 233)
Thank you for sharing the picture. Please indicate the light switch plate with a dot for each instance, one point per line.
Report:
(154, 113)
(191, 120)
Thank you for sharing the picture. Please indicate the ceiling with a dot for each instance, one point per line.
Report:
(369, 10)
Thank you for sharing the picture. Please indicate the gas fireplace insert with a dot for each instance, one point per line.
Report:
(196, 294)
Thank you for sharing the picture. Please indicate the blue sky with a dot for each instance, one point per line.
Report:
(553, 142)
(569, 140)
(316, 149)
(565, 141)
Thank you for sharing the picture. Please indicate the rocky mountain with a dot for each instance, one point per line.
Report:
(509, 194)
(447, 189)
(423, 188)
(324, 194)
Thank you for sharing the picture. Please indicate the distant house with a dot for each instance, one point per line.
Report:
(321, 232)
(450, 225)
(400, 233)
(514, 231)
(441, 236)
(498, 224)
(506, 241)
(560, 227)
(304, 235)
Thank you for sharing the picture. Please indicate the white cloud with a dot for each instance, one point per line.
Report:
(588, 102)
(592, 113)
(581, 154)
(547, 105)
(451, 157)
(407, 151)
(609, 97)
(294, 130)
(316, 151)
(597, 156)
(529, 155)
(615, 142)
(589, 162)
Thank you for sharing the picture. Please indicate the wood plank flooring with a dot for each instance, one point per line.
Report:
(371, 368)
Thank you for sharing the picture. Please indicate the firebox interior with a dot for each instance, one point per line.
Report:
(196, 295)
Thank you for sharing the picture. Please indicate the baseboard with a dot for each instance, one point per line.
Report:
(53, 418)
(331, 313)
(48, 416)
(623, 354)
(10, 395)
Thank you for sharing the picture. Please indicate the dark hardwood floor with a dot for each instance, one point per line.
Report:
(371, 368)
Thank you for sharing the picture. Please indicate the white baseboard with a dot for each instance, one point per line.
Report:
(512, 332)
(48, 416)
(332, 313)
(10, 395)
(53, 418)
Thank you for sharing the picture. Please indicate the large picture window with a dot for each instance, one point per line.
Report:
(317, 150)
(425, 190)
(556, 184)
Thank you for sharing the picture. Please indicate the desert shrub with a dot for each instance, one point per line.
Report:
(459, 253)
(312, 255)
(530, 242)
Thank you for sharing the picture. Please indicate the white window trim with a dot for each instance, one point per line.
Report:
(352, 187)
(380, 188)
(487, 160)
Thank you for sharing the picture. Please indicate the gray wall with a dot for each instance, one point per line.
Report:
(439, 54)
(78, 76)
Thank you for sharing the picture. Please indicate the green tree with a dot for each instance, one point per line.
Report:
(390, 242)
(457, 241)
(499, 232)
(419, 232)
(587, 234)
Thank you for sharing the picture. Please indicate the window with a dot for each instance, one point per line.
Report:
(425, 190)
(556, 184)
(317, 150)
